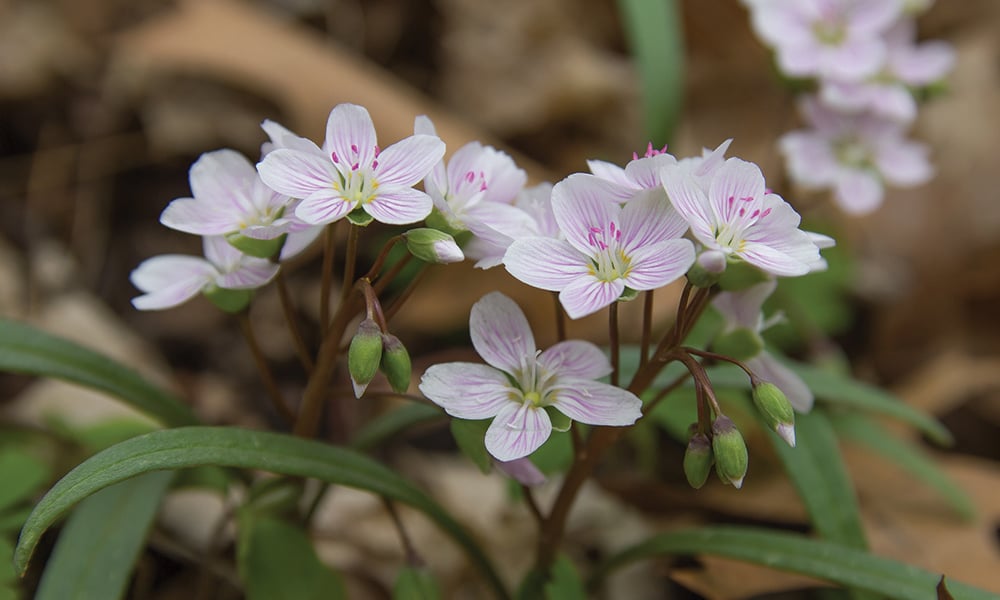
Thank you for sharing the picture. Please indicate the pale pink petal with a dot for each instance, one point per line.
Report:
(894, 102)
(545, 263)
(770, 369)
(582, 203)
(924, 64)
(267, 232)
(690, 201)
(220, 253)
(613, 173)
(297, 174)
(646, 171)
(742, 308)
(587, 295)
(854, 60)
(500, 333)
(523, 471)
(422, 125)
(858, 192)
(399, 206)
(659, 264)
(800, 60)
(298, 240)
(872, 18)
(281, 137)
(224, 178)
(409, 160)
(252, 273)
(350, 136)
(649, 219)
(903, 163)
(596, 403)
(200, 217)
(781, 22)
(170, 280)
(773, 261)
(517, 431)
(735, 180)
(810, 158)
(575, 358)
(467, 390)
(322, 206)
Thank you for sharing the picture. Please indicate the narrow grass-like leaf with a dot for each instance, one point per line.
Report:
(830, 561)
(842, 390)
(25, 349)
(102, 539)
(654, 33)
(908, 456)
(231, 447)
(821, 479)
(394, 422)
(277, 561)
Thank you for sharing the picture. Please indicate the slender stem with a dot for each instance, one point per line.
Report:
(293, 323)
(700, 377)
(265, 371)
(373, 307)
(412, 557)
(352, 256)
(382, 256)
(329, 252)
(529, 499)
(647, 327)
(574, 435)
(614, 341)
(307, 516)
(722, 357)
(383, 282)
(560, 318)
(682, 310)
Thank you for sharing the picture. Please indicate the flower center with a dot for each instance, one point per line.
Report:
(850, 152)
(741, 214)
(608, 261)
(650, 151)
(831, 32)
(533, 382)
(357, 183)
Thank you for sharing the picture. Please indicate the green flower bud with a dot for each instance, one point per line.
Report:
(433, 246)
(730, 451)
(255, 247)
(776, 410)
(698, 459)
(395, 363)
(364, 355)
(740, 343)
(230, 301)
(707, 269)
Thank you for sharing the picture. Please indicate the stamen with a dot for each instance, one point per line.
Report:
(354, 148)
(336, 160)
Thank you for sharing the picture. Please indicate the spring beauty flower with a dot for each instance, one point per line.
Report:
(228, 198)
(520, 385)
(736, 216)
(172, 279)
(607, 247)
(530, 216)
(354, 172)
(855, 155)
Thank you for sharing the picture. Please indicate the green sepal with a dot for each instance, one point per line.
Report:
(628, 294)
(364, 355)
(741, 343)
(730, 450)
(396, 363)
(359, 217)
(438, 221)
(698, 459)
(700, 277)
(226, 300)
(560, 422)
(254, 247)
(740, 275)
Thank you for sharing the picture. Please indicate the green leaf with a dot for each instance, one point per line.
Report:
(24, 349)
(414, 583)
(392, 423)
(798, 554)
(654, 33)
(470, 437)
(906, 455)
(231, 447)
(102, 539)
(565, 583)
(20, 475)
(278, 562)
(821, 479)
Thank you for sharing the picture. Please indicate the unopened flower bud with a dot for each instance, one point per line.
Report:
(707, 269)
(433, 246)
(730, 451)
(698, 459)
(364, 355)
(776, 410)
(230, 301)
(740, 343)
(395, 363)
(255, 247)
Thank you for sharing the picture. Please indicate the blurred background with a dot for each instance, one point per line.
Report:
(106, 103)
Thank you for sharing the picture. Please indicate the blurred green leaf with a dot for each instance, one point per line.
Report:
(908, 456)
(653, 28)
(565, 583)
(24, 349)
(797, 554)
(470, 437)
(21, 474)
(277, 561)
(815, 467)
(393, 422)
(415, 583)
(7, 574)
(99, 546)
(232, 447)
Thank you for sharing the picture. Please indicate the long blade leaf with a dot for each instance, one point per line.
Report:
(230, 447)
(833, 562)
(25, 349)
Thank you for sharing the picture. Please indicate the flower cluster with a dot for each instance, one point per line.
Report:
(869, 70)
